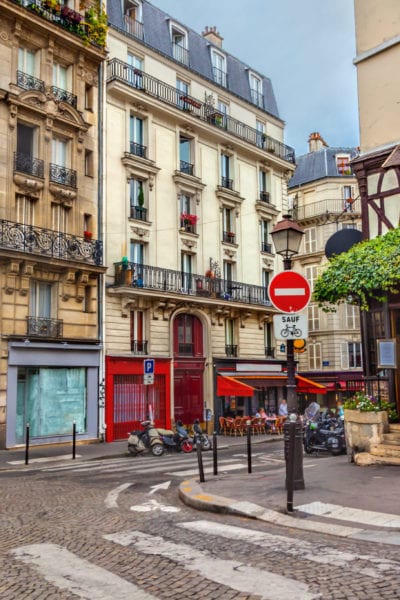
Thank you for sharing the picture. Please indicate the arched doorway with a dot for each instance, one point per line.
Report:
(188, 368)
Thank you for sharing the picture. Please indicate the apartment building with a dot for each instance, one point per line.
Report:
(51, 260)
(324, 198)
(196, 177)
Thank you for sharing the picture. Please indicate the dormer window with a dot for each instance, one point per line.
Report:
(219, 67)
(343, 164)
(179, 41)
(256, 90)
(133, 18)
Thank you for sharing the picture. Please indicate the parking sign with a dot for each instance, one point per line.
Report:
(148, 367)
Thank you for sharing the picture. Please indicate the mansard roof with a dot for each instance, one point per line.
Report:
(318, 165)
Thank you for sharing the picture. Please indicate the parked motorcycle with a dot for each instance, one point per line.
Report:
(148, 439)
(178, 440)
(200, 437)
(327, 434)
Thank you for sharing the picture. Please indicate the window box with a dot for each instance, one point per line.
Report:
(190, 101)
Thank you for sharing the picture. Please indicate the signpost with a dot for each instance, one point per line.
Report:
(290, 327)
(289, 292)
(148, 371)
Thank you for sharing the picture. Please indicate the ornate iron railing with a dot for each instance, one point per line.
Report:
(139, 346)
(269, 352)
(228, 236)
(139, 212)
(186, 167)
(62, 175)
(134, 77)
(327, 208)
(64, 96)
(264, 197)
(177, 282)
(227, 183)
(24, 163)
(28, 82)
(265, 247)
(53, 244)
(231, 349)
(44, 327)
(137, 149)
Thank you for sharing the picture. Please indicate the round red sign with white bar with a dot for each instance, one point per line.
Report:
(289, 291)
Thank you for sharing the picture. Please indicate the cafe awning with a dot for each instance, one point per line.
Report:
(230, 386)
(308, 386)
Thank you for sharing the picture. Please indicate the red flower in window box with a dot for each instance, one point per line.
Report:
(189, 219)
(87, 235)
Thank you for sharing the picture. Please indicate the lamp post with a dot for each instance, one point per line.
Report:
(287, 236)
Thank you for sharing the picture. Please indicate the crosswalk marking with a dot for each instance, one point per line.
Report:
(344, 513)
(44, 459)
(232, 573)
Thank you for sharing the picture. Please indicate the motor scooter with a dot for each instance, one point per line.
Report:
(324, 435)
(178, 440)
(148, 439)
(199, 437)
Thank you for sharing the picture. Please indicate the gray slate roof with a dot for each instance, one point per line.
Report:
(156, 35)
(317, 165)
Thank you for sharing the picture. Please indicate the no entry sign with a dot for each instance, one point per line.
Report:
(289, 291)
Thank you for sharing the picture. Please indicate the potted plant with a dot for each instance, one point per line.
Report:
(87, 235)
(140, 198)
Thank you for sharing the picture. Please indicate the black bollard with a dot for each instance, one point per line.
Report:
(200, 460)
(215, 453)
(290, 466)
(73, 440)
(249, 469)
(27, 444)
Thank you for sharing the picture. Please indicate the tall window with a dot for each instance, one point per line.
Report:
(311, 273)
(269, 349)
(263, 182)
(25, 209)
(185, 162)
(256, 90)
(186, 269)
(348, 198)
(136, 199)
(226, 180)
(352, 316)
(59, 151)
(27, 61)
(228, 225)
(313, 317)
(137, 252)
(351, 355)
(136, 136)
(133, 18)
(228, 271)
(137, 335)
(314, 356)
(40, 299)
(265, 283)
(310, 240)
(61, 77)
(60, 218)
(265, 237)
(179, 45)
(182, 89)
(219, 67)
(343, 165)
(230, 346)
(260, 128)
(26, 160)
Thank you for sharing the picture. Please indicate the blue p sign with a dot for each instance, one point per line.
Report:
(149, 366)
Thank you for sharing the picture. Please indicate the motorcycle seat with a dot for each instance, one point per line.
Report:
(162, 431)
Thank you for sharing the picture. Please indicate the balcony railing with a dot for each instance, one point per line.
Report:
(62, 175)
(24, 163)
(269, 352)
(64, 96)
(265, 197)
(186, 167)
(51, 244)
(327, 208)
(133, 27)
(180, 54)
(28, 82)
(266, 247)
(137, 149)
(227, 183)
(139, 346)
(229, 237)
(139, 212)
(258, 98)
(43, 327)
(231, 350)
(220, 77)
(134, 77)
(176, 282)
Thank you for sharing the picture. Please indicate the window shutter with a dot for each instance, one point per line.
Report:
(344, 355)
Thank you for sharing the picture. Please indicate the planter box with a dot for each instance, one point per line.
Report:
(364, 429)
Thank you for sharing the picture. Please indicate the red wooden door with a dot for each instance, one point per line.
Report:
(188, 395)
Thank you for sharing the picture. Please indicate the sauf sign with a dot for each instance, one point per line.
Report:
(291, 326)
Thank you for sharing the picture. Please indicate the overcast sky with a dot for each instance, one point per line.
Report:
(306, 47)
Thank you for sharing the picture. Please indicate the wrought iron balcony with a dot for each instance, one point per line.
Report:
(24, 163)
(220, 76)
(133, 27)
(139, 346)
(327, 208)
(269, 352)
(186, 167)
(227, 183)
(231, 350)
(176, 282)
(28, 82)
(137, 149)
(44, 327)
(265, 197)
(118, 70)
(229, 237)
(139, 212)
(257, 98)
(52, 244)
(266, 247)
(64, 96)
(62, 175)
(180, 54)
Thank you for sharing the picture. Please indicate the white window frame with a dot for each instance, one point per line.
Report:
(134, 6)
(339, 158)
(218, 60)
(256, 89)
(25, 209)
(27, 61)
(352, 316)
(60, 217)
(176, 31)
(311, 274)
(310, 240)
(41, 299)
(60, 152)
(230, 333)
(62, 77)
(314, 356)
(313, 316)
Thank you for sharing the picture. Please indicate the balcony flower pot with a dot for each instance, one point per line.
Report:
(87, 235)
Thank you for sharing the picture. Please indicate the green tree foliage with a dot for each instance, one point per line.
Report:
(369, 270)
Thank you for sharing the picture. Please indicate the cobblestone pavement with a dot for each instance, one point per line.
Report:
(167, 554)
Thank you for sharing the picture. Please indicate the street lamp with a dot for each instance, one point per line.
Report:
(287, 236)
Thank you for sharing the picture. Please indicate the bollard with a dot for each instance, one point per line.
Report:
(73, 440)
(294, 447)
(248, 424)
(290, 465)
(27, 444)
(200, 460)
(215, 453)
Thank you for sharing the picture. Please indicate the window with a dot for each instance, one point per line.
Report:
(87, 300)
(133, 18)
(310, 240)
(311, 274)
(314, 356)
(135, 70)
(352, 316)
(228, 230)
(61, 77)
(186, 269)
(343, 165)
(269, 349)
(263, 182)
(265, 283)
(265, 238)
(351, 355)
(219, 67)
(313, 317)
(136, 145)
(25, 209)
(138, 343)
(230, 346)
(136, 199)
(182, 89)
(228, 271)
(40, 299)
(226, 181)
(260, 128)
(89, 163)
(27, 62)
(348, 198)
(59, 217)
(185, 164)
(59, 152)
(89, 97)
(179, 45)
(256, 90)
(26, 160)
(87, 222)
(137, 252)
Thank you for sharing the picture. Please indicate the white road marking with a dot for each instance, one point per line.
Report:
(154, 505)
(160, 486)
(344, 513)
(232, 573)
(79, 577)
(300, 549)
(111, 498)
(222, 469)
(44, 459)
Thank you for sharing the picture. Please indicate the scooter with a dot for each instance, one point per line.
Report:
(148, 439)
(324, 435)
(178, 440)
(200, 437)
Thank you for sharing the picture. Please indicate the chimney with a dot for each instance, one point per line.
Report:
(212, 35)
(316, 142)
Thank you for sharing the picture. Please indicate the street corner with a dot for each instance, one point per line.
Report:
(192, 494)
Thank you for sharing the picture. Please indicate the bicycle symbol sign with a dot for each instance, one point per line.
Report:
(291, 326)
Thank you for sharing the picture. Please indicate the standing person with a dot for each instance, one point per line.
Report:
(283, 409)
(339, 409)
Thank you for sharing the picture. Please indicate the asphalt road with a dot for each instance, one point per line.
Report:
(115, 529)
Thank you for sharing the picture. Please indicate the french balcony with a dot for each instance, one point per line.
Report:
(231, 350)
(137, 149)
(220, 77)
(265, 197)
(156, 280)
(266, 247)
(133, 77)
(229, 237)
(38, 241)
(328, 209)
(257, 98)
(133, 27)
(62, 175)
(24, 163)
(269, 352)
(139, 213)
(186, 167)
(44, 327)
(180, 54)
(139, 346)
(227, 183)
(28, 82)
(64, 96)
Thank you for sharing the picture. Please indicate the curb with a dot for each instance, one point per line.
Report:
(191, 494)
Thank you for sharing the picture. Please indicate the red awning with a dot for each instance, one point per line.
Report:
(332, 385)
(308, 386)
(229, 386)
